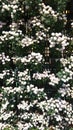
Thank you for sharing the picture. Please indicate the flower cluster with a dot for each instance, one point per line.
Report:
(40, 76)
(65, 91)
(6, 126)
(52, 79)
(26, 41)
(56, 108)
(22, 78)
(5, 7)
(32, 58)
(37, 22)
(41, 32)
(4, 58)
(68, 69)
(72, 24)
(47, 10)
(59, 41)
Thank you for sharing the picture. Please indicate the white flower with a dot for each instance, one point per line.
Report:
(23, 105)
(27, 126)
(53, 80)
(1, 75)
(4, 106)
(72, 24)
(11, 80)
(58, 39)
(6, 7)
(7, 115)
(26, 41)
(58, 118)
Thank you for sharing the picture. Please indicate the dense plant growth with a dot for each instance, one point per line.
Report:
(36, 89)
